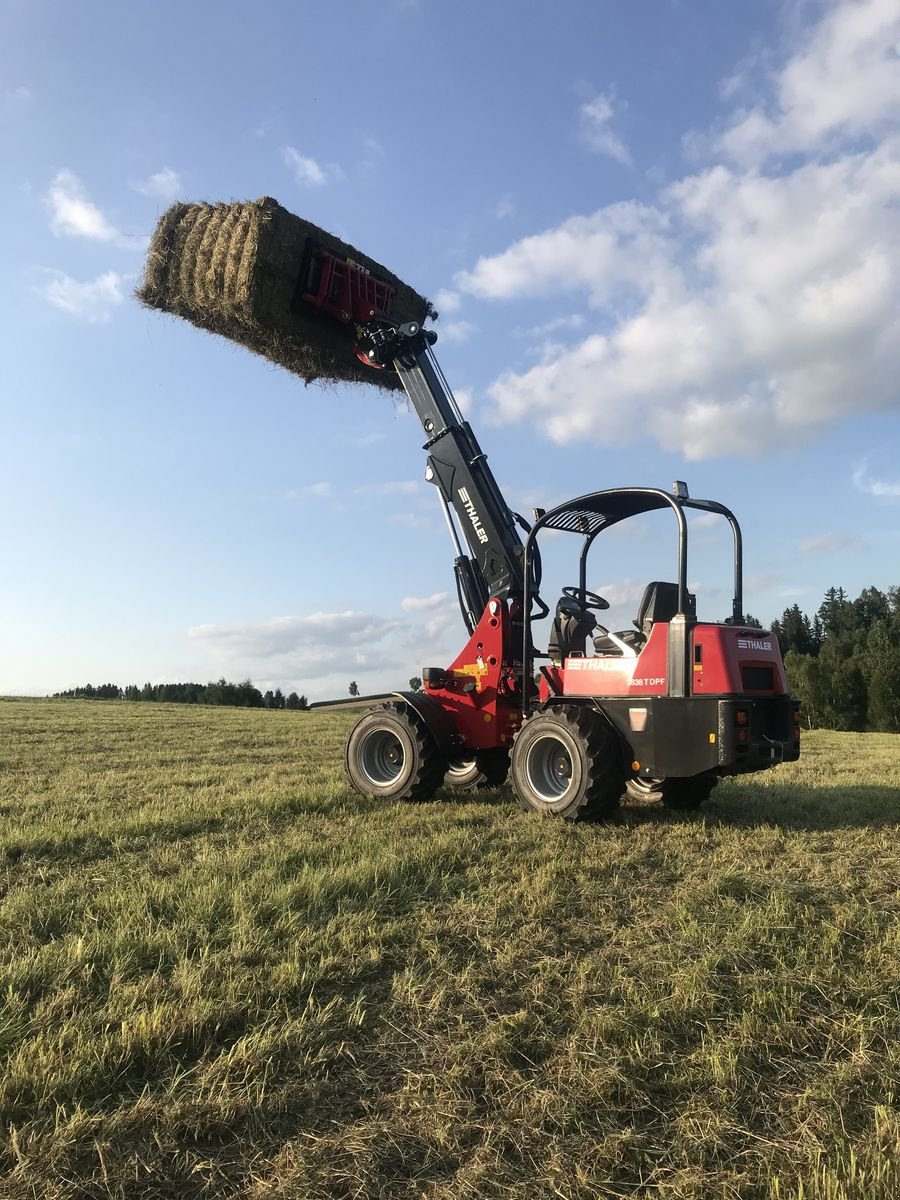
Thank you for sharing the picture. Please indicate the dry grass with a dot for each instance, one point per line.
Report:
(223, 974)
(232, 269)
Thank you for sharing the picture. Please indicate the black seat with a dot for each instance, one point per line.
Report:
(569, 633)
(658, 603)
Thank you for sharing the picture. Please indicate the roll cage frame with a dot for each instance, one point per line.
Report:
(594, 513)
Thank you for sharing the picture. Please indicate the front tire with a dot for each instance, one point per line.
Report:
(391, 755)
(567, 762)
(484, 769)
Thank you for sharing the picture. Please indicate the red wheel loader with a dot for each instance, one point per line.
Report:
(661, 710)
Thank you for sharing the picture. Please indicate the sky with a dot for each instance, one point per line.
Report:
(664, 239)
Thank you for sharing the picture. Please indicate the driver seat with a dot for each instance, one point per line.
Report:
(572, 623)
(658, 603)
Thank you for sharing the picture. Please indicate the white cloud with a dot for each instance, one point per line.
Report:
(316, 643)
(423, 603)
(447, 301)
(843, 82)
(369, 439)
(742, 311)
(705, 521)
(318, 489)
(305, 169)
(595, 118)
(454, 332)
(465, 400)
(320, 653)
(505, 207)
(829, 543)
(571, 323)
(73, 214)
(165, 184)
(91, 301)
(865, 482)
(603, 253)
(17, 95)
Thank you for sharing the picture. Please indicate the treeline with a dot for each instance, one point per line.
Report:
(844, 663)
(238, 695)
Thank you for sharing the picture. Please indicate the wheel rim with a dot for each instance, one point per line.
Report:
(460, 767)
(548, 768)
(382, 757)
(648, 786)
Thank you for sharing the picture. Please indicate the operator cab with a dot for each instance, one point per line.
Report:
(574, 621)
(663, 602)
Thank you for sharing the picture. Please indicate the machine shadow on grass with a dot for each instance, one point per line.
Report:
(795, 807)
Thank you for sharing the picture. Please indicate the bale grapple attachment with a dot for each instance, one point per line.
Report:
(277, 284)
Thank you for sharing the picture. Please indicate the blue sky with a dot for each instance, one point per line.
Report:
(665, 241)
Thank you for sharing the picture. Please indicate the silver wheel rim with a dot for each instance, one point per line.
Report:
(460, 767)
(549, 768)
(646, 785)
(382, 757)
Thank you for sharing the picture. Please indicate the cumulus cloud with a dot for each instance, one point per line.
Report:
(829, 543)
(865, 482)
(314, 644)
(596, 116)
(456, 331)
(73, 214)
(92, 300)
(742, 309)
(305, 169)
(446, 300)
(165, 184)
(844, 80)
(423, 603)
(318, 654)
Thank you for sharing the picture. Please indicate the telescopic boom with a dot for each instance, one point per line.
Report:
(458, 467)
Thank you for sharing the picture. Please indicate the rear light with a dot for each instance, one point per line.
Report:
(741, 717)
(797, 717)
(742, 735)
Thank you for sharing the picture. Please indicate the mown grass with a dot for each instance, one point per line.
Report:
(224, 974)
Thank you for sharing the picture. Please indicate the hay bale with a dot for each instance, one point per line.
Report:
(233, 269)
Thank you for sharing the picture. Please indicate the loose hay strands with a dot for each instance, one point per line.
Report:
(232, 269)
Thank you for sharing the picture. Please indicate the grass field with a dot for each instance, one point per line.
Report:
(224, 974)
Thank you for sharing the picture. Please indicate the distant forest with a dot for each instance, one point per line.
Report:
(843, 663)
(239, 695)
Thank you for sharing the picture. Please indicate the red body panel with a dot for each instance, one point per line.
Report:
(613, 675)
(725, 651)
(480, 688)
(726, 660)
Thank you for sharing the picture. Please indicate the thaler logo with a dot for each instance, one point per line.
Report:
(473, 515)
(752, 644)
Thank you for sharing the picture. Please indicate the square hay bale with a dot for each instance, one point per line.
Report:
(233, 269)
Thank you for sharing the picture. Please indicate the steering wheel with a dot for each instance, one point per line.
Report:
(589, 599)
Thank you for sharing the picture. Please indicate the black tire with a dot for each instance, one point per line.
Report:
(686, 795)
(645, 789)
(391, 755)
(567, 762)
(683, 795)
(482, 770)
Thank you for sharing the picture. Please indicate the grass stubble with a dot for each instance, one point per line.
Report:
(225, 974)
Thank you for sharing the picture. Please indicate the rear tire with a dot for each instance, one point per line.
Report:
(645, 789)
(682, 795)
(687, 795)
(567, 762)
(484, 769)
(391, 755)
